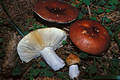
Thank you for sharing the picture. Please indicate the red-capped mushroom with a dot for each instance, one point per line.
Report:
(89, 36)
(56, 11)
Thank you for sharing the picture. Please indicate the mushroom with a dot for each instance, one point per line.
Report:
(56, 11)
(73, 60)
(89, 36)
(42, 42)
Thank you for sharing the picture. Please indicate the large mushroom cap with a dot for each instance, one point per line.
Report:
(89, 36)
(56, 11)
(31, 45)
(72, 59)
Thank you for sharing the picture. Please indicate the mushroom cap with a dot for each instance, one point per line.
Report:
(56, 11)
(72, 59)
(89, 36)
(31, 45)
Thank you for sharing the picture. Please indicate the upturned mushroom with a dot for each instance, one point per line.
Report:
(56, 11)
(89, 36)
(42, 42)
(73, 61)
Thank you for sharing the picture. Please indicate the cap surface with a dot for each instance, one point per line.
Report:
(89, 36)
(31, 45)
(56, 11)
(72, 59)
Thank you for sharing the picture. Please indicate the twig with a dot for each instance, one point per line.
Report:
(89, 11)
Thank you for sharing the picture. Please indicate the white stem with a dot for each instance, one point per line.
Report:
(74, 71)
(54, 61)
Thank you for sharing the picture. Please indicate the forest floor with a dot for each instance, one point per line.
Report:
(91, 67)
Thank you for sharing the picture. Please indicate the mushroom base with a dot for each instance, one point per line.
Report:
(54, 61)
(74, 71)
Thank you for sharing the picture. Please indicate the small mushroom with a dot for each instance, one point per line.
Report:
(72, 60)
(89, 36)
(42, 42)
(56, 11)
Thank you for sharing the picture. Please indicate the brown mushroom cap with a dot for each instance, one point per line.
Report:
(89, 36)
(72, 59)
(56, 11)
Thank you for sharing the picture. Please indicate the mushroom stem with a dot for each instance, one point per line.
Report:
(74, 71)
(54, 61)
